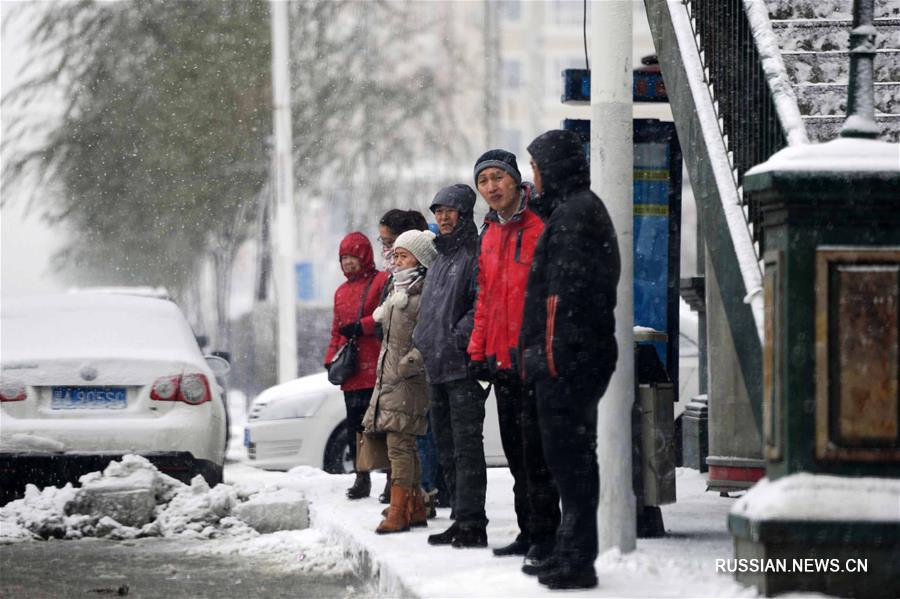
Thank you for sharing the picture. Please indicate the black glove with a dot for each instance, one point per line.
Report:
(480, 371)
(351, 330)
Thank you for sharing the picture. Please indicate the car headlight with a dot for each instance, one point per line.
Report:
(280, 408)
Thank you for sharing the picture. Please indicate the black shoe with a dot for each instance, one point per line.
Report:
(444, 538)
(362, 486)
(538, 560)
(517, 547)
(470, 537)
(385, 496)
(583, 577)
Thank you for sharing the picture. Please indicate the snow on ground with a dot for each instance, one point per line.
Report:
(130, 499)
(342, 537)
(679, 565)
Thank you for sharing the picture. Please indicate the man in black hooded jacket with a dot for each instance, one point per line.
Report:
(568, 342)
(446, 316)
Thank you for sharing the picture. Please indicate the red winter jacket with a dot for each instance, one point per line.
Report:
(346, 307)
(503, 265)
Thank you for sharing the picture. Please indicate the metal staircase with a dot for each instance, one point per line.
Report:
(745, 78)
(813, 36)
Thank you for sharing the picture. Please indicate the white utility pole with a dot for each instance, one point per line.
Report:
(612, 161)
(285, 222)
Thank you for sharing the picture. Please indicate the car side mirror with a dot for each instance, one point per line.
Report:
(218, 364)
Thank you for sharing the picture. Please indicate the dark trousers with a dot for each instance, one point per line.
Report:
(432, 475)
(457, 413)
(356, 402)
(535, 496)
(567, 412)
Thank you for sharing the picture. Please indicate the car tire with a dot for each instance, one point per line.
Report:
(337, 452)
(215, 476)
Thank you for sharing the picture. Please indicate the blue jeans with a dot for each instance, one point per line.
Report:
(428, 458)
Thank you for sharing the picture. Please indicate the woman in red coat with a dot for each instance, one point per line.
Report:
(354, 302)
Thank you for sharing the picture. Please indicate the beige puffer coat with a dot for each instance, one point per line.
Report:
(400, 400)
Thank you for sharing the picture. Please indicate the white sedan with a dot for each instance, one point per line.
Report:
(86, 378)
(301, 422)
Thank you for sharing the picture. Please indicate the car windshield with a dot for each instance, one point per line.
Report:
(116, 327)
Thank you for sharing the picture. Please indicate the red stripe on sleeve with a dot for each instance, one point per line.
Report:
(548, 339)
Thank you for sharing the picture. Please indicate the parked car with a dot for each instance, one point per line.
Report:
(301, 422)
(87, 378)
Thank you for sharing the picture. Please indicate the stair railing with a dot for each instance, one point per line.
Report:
(754, 97)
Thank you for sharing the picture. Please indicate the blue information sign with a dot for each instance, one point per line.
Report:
(306, 290)
(657, 215)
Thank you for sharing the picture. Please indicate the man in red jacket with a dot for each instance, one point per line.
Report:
(507, 247)
(354, 302)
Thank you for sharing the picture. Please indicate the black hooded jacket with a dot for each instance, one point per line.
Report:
(447, 310)
(568, 325)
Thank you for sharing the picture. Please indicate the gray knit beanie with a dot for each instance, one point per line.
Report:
(420, 244)
(498, 159)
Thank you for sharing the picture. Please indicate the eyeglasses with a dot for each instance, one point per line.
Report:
(387, 241)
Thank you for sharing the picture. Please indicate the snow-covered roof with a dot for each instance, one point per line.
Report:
(141, 290)
(805, 496)
(94, 326)
(841, 155)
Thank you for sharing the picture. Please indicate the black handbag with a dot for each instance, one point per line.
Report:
(344, 363)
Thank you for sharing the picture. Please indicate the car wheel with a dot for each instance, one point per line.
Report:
(337, 452)
(215, 476)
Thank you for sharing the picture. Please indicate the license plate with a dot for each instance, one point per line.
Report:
(89, 398)
(246, 437)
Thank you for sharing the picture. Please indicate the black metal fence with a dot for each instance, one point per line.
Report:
(739, 86)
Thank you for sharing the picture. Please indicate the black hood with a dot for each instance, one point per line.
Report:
(563, 167)
(459, 196)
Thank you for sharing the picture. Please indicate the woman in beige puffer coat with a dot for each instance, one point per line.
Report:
(399, 402)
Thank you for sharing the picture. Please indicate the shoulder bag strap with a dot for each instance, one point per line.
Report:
(362, 303)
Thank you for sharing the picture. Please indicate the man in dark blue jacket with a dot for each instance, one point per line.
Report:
(568, 342)
(446, 315)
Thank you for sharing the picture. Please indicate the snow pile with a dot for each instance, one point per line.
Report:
(40, 514)
(132, 499)
(805, 496)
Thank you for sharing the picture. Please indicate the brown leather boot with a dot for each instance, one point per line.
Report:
(418, 513)
(397, 519)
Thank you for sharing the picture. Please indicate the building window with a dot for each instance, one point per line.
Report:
(511, 71)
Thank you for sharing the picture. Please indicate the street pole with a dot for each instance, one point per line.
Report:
(612, 165)
(285, 223)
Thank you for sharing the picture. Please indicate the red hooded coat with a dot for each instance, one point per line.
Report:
(347, 299)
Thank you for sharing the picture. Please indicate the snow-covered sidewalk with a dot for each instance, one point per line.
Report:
(680, 565)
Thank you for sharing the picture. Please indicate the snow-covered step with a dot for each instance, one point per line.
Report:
(825, 128)
(831, 34)
(827, 9)
(834, 67)
(831, 98)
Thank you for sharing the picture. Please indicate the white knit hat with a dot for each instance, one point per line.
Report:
(420, 244)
